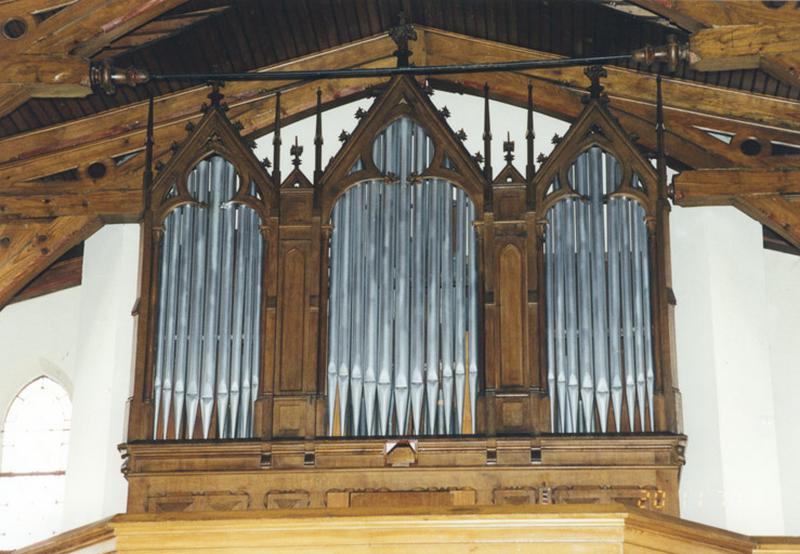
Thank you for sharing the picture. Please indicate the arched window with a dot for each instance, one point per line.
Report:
(402, 355)
(33, 463)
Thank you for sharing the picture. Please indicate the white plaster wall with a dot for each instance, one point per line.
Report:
(95, 486)
(783, 325)
(737, 324)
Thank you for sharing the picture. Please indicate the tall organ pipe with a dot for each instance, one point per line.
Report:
(212, 296)
(599, 286)
(179, 386)
(447, 307)
(474, 334)
(585, 253)
(418, 311)
(162, 328)
(226, 290)
(197, 301)
(460, 300)
(614, 212)
(434, 258)
(357, 337)
(344, 319)
(637, 220)
(255, 312)
(237, 332)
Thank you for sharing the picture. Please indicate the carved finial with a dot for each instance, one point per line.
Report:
(344, 136)
(360, 113)
(265, 163)
(541, 158)
(595, 73)
(160, 165)
(276, 140)
(189, 127)
(174, 146)
(445, 112)
(556, 138)
(427, 88)
(508, 148)
(401, 34)
(295, 152)
(478, 157)
(318, 139)
(487, 135)
(530, 135)
(461, 135)
(215, 95)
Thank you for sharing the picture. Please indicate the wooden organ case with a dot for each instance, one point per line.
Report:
(404, 329)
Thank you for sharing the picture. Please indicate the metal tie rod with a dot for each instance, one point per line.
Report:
(103, 75)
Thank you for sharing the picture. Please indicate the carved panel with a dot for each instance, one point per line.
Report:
(292, 416)
(287, 499)
(221, 501)
(400, 498)
(511, 316)
(647, 497)
(292, 330)
(516, 496)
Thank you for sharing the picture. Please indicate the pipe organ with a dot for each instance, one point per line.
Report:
(403, 306)
(404, 328)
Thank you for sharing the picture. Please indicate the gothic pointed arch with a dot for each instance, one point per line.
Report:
(403, 97)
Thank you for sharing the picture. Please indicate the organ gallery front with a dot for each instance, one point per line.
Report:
(405, 326)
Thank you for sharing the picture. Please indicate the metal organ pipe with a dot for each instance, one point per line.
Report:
(606, 348)
(598, 230)
(210, 274)
(415, 283)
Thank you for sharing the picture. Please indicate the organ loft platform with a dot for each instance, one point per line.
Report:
(607, 528)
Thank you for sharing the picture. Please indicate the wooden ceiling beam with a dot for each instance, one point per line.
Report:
(773, 48)
(708, 187)
(50, 56)
(777, 212)
(83, 27)
(624, 84)
(27, 248)
(693, 15)
(728, 35)
(767, 195)
(122, 128)
(47, 74)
